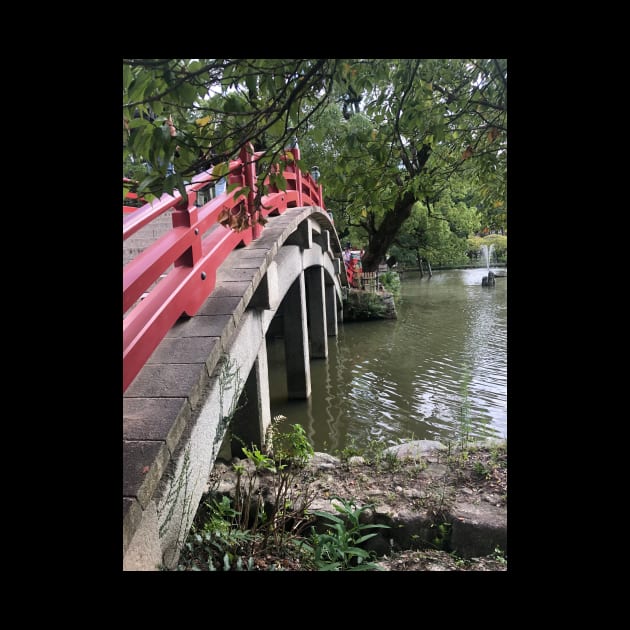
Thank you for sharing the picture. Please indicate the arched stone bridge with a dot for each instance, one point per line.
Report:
(179, 408)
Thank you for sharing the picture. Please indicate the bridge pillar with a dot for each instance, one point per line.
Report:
(316, 297)
(331, 310)
(253, 415)
(296, 341)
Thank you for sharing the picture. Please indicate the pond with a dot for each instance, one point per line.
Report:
(437, 372)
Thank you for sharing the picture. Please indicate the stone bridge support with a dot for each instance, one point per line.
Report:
(208, 378)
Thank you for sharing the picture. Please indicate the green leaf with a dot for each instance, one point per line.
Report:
(329, 566)
(250, 82)
(135, 123)
(233, 104)
(137, 87)
(187, 93)
(221, 169)
(278, 180)
(147, 182)
(328, 516)
(127, 77)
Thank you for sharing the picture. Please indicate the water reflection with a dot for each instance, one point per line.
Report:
(441, 367)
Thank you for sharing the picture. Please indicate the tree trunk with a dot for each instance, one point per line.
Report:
(382, 238)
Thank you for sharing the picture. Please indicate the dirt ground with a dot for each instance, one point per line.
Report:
(428, 484)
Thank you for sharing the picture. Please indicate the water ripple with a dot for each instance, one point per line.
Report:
(439, 370)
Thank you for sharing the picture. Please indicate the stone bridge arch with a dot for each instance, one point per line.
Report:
(177, 411)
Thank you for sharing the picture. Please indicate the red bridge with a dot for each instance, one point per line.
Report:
(198, 301)
(195, 247)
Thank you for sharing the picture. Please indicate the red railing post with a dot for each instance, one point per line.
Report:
(298, 174)
(249, 165)
(185, 214)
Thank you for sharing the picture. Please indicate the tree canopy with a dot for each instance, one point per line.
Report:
(391, 137)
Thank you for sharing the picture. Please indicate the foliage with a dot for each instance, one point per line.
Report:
(230, 535)
(292, 447)
(218, 106)
(391, 282)
(385, 133)
(338, 548)
(227, 535)
(475, 243)
(421, 123)
(499, 555)
(373, 451)
(442, 535)
(215, 542)
(363, 305)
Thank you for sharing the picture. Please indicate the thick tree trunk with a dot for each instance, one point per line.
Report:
(382, 239)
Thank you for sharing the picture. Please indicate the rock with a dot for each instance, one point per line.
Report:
(414, 493)
(356, 460)
(490, 443)
(323, 461)
(415, 449)
(477, 529)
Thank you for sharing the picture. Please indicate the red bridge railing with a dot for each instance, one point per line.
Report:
(195, 247)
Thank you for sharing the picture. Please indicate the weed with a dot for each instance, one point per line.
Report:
(481, 470)
(292, 447)
(215, 541)
(459, 562)
(441, 539)
(338, 548)
(350, 450)
(391, 282)
(499, 555)
(226, 536)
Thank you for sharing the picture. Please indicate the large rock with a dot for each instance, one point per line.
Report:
(477, 529)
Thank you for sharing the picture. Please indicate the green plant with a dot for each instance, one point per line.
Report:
(499, 555)
(227, 536)
(459, 561)
(292, 447)
(338, 548)
(215, 542)
(391, 282)
(481, 470)
(392, 461)
(350, 450)
(245, 491)
(440, 540)
(498, 453)
(363, 305)
(373, 452)
(463, 437)
(230, 385)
